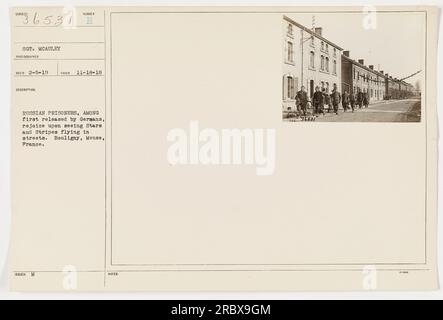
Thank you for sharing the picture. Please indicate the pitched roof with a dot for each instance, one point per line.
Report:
(363, 66)
(311, 32)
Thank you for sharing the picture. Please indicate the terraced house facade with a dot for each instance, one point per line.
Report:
(309, 60)
(357, 77)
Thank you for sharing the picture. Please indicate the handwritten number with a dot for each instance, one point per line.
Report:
(47, 20)
(58, 21)
(36, 20)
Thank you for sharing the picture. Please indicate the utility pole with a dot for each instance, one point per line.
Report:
(302, 42)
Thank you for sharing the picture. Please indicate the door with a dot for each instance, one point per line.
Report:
(311, 88)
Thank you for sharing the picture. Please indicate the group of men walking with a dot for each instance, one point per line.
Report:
(322, 100)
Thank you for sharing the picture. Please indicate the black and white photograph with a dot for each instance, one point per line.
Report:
(362, 66)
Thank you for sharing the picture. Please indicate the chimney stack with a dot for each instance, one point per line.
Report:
(371, 67)
(361, 61)
(346, 53)
(318, 30)
(381, 71)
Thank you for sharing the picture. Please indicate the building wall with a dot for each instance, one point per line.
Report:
(370, 82)
(399, 89)
(291, 64)
(320, 74)
(357, 77)
(297, 69)
(346, 74)
(382, 87)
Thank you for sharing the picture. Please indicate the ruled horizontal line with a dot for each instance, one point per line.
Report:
(59, 26)
(228, 270)
(46, 59)
(58, 42)
(60, 75)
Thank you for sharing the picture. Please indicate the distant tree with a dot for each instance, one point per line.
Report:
(418, 86)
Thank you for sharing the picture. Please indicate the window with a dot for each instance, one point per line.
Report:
(327, 48)
(322, 45)
(312, 41)
(327, 87)
(327, 64)
(334, 70)
(290, 87)
(322, 63)
(322, 85)
(290, 51)
(335, 52)
(290, 30)
(312, 60)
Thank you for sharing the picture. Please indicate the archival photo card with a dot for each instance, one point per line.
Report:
(224, 148)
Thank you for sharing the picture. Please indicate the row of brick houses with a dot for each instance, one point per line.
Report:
(356, 77)
(310, 60)
(377, 84)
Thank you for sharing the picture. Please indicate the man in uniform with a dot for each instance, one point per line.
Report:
(360, 99)
(335, 98)
(326, 100)
(366, 99)
(345, 101)
(352, 100)
(318, 101)
(302, 97)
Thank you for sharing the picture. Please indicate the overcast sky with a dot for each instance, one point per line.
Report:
(395, 46)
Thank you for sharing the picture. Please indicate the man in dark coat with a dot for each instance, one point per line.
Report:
(335, 98)
(318, 101)
(352, 101)
(297, 104)
(345, 101)
(326, 100)
(366, 99)
(302, 97)
(360, 99)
